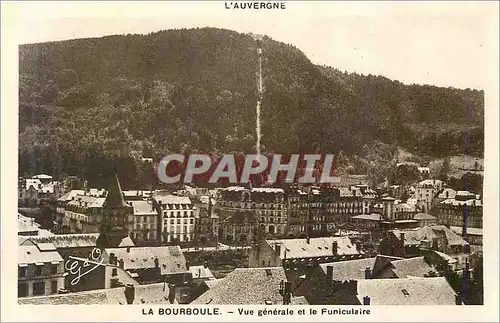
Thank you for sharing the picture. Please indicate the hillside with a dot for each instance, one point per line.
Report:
(89, 106)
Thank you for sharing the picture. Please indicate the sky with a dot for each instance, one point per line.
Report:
(443, 44)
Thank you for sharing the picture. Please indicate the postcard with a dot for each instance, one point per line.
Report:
(250, 161)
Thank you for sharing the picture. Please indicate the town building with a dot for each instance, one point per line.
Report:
(239, 227)
(410, 243)
(404, 211)
(405, 291)
(425, 192)
(154, 294)
(306, 213)
(81, 214)
(145, 229)
(26, 226)
(90, 212)
(424, 172)
(250, 286)
(40, 269)
(206, 220)
(42, 186)
(177, 218)
(76, 245)
(267, 205)
(474, 236)
(149, 264)
(367, 222)
(425, 219)
(303, 252)
(137, 195)
(333, 283)
(116, 214)
(319, 212)
(464, 210)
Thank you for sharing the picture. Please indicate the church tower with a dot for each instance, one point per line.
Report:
(117, 217)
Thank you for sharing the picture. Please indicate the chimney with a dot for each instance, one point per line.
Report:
(466, 273)
(335, 248)
(368, 273)
(171, 293)
(278, 249)
(366, 300)
(329, 272)
(130, 293)
(112, 259)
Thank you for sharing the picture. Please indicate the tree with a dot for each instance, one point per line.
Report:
(476, 285)
(445, 168)
(405, 196)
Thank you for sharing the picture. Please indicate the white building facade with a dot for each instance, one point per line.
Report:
(177, 218)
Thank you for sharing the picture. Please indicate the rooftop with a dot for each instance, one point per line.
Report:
(470, 231)
(317, 247)
(170, 258)
(42, 253)
(407, 291)
(201, 272)
(143, 208)
(172, 199)
(423, 216)
(42, 176)
(428, 233)
(371, 217)
(250, 286)
(26, 225)
(410, 267)
(87, 201)
(144, 294)
(115, 198)
(349, 270)
(75, 240)
(470, 202)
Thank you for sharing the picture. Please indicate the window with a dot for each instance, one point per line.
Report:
(54, 269)
(405, 292)
(191, 221)
(53, 287)
(22, 272)
(114, 272)
(22, 290)
(39, 288)
(38, 271)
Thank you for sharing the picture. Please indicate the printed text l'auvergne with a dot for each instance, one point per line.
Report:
(255, 5)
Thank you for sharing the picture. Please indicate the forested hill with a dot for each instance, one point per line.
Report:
(88, 106)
